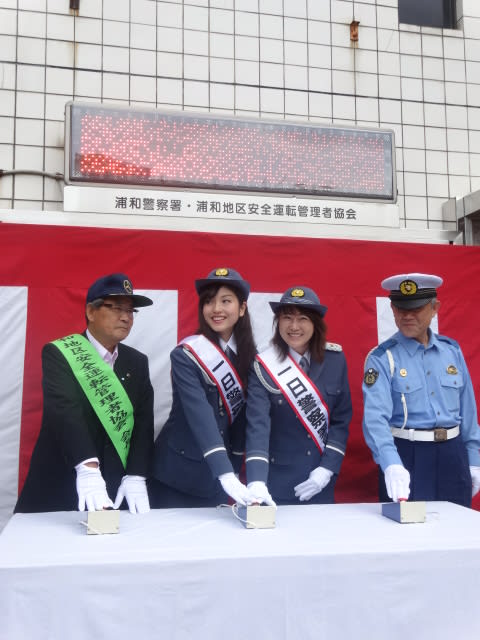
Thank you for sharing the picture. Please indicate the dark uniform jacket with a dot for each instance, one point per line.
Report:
(279, 450)
(71, 432)
(197, 443)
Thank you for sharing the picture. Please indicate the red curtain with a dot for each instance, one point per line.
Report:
(57, 264)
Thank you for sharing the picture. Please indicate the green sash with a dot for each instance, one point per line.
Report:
(103, 389)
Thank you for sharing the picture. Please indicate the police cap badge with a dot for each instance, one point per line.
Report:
(412, 290)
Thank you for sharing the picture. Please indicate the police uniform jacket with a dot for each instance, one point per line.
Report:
(437, 390)
(71, 432)
(279, 449)
(197, 443)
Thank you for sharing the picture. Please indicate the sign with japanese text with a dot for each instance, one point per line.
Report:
(227, 206)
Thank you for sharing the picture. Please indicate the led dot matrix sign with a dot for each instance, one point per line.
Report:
(119, 146)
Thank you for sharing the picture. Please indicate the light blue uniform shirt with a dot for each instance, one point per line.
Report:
(437, 388)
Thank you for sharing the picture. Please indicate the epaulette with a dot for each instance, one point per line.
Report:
(382, 347)
(333, 346)
(449, 340)
(263, 382)
(205, 375)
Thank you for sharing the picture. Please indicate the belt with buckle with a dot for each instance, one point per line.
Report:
(425, 435)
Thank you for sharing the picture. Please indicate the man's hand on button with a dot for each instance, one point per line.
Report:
(91, 489)
(397, 481)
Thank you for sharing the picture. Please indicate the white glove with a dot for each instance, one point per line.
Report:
(91, 489)
(397, 481)
(317, 480)
(134, 490)
(235, 489)
(259, 493)
(475, 473)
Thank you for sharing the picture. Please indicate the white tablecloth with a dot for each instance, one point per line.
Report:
(326, 571)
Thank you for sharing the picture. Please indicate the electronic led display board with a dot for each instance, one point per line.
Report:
(108, 145)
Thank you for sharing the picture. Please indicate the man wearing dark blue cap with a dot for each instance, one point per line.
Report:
(420, 415)
(96, 438)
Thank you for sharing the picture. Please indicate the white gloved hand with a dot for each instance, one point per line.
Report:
(259, 493)
(317, 480)
(475, 473)
(235, 489)
(397, 481)
(134, 490)
(91, 489)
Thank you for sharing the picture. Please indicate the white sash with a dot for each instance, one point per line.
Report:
(301, 394)
(214, 361)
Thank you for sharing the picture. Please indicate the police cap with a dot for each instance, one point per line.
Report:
(412, 290)
(300, 297)
(226, 277)
(116, 284)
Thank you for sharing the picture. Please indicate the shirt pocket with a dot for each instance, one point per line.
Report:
(412, 390)
(215, 400)
(451, 388)
(332, 394)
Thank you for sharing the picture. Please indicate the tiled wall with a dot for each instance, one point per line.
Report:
(289, 59)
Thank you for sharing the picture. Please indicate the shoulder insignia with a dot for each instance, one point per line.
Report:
(370, 377)
(205, 375)
(333, 346)
(451, 341)
(259, 371)
(383, 346)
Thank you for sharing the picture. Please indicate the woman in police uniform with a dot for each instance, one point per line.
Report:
(298, 407)
(201, 445)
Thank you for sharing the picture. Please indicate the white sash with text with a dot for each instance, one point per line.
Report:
(214, 361)
(301, 394)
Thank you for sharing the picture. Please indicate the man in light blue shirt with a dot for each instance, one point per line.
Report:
(420, 416)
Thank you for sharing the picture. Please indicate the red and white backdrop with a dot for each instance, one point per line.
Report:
(46, 270)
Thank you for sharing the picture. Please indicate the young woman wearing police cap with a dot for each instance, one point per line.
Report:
(201, 445)
(299, 407)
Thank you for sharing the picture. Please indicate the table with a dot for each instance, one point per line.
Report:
(326, 571)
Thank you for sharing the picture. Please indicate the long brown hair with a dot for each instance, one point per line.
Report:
(316, 345)
(242, 330)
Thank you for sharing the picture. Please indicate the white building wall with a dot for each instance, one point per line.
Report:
(286, 59)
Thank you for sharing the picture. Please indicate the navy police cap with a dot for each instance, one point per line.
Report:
(300, 297)
(224, 276)
(116, 284)
(412, 290)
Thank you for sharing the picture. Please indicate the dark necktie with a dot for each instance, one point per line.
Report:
(304, 365)
(230, 354)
